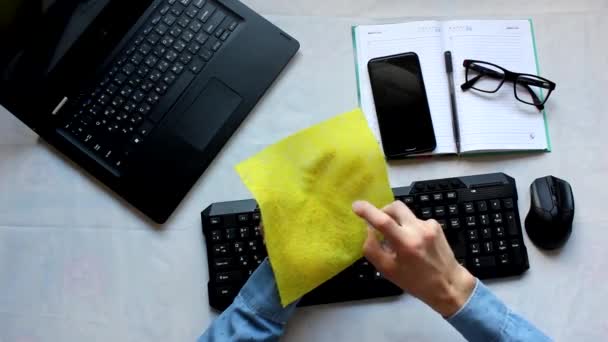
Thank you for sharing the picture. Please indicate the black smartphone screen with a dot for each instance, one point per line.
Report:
(401, 105)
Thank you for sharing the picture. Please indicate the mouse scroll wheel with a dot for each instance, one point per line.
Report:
(554, 193)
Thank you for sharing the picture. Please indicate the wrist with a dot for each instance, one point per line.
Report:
(457, 290)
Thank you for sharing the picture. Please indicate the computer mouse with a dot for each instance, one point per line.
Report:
(549, 221)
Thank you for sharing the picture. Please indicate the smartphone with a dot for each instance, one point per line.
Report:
(401, 103)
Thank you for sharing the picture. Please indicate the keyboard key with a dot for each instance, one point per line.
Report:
(500, 232)
(185, 58)
(197, 65)
(176, 31)
(171, 56)
(206, 12)
(177, 68)
(163, 66)
(495, 204)
(169, 20)
(225, 35)
(161, 88)
(225, 292)
(455, 223)
(501, 245)
(223, 263)
(487, 247)
(453, 209)
(161, 29)
(438, 197)
(145, 128)
(169, 78)
(474, 248)
(187, 36)
(257, 231)
(243, 218)
(239, 247)
(503, 259)
(194, 48)
(153, 38)
(183, 22)
(257, 259)
(471, 221)
(244, 232)
(177, 9)
(215, 20)
(216, 235)
(232, 24)
(167, 41)
(231, 233)
(426, 213)
(472, 235)
(243, 261)
(484, 262)
(195, 26)
(424, 198)
(199, 3)
(220, 249)
(253, 246)
(191, 11)
(154, 76)
(482, 206)
(218, 33)
(206, 54)
(507, 203)
(229, 277)
(484, 220)
(440, 211)
(486, 233)
(165, 9)
(451, 195)
(469, 208)
(512, 228)
(497, 218)
(216, 44)
(408, 200)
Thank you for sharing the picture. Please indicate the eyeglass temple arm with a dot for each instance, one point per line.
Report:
(483, 71)
(537, 102)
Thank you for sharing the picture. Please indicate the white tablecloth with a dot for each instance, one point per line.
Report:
(78, 264)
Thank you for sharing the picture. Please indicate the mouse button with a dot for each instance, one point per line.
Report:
(566, 197)
(543, 195)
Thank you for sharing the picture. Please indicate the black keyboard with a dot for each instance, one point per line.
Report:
(478, 214)
(174, 44)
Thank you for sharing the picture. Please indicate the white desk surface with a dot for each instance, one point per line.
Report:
(78, 264)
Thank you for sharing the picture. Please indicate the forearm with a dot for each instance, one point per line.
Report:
(256, 313)
(485, 318)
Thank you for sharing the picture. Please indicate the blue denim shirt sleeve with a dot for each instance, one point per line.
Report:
(256, 313)
(485, 318)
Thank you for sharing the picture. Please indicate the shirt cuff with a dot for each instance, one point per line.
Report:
(261, 295)
(482, 317)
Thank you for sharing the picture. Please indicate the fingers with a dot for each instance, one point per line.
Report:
(400, 212)
(382, 259)
(379, 220)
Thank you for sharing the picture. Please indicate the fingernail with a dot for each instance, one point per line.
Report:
(357, 205)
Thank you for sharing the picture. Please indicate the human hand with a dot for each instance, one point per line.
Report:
(416, 256)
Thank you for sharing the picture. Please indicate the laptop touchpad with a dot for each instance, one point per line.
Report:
(207, 114)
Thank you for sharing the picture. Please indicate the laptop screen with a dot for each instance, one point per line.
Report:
(51, 46)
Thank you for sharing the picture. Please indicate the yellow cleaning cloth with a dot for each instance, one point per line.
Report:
(305, 186)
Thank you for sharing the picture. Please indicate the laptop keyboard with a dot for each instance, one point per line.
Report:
(478, 214)
(175, 43)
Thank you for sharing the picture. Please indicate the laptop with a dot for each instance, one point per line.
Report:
(142, 94)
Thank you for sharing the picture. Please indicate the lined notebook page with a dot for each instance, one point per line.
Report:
(423, 38)
(496, 121)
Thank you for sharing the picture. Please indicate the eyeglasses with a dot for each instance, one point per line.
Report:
(488, 78)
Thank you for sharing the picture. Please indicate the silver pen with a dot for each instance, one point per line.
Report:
(450, 72)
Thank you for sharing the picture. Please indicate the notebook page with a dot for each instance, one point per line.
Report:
(423, 38)
(495, 121)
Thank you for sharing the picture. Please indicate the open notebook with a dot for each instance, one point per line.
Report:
(488, 122)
